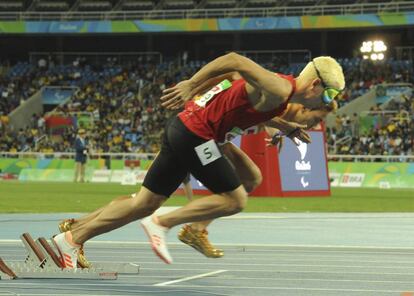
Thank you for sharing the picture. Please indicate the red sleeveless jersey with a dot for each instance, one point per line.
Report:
(225, 108)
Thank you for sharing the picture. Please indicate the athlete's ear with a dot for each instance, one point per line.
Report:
(316, 82)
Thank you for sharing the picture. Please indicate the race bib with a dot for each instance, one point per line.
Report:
(207, 152)
(205, 98)
(236, 131)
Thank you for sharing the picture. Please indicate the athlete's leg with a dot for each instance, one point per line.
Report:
(118, 214)
(248, 172)
(209, 207)
(85, 219)
(188, 191)
(160, 182)
(246, 169)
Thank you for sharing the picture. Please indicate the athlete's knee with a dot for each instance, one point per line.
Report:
(119, 198)
(253, 182)
(147, 202)
(237, 201)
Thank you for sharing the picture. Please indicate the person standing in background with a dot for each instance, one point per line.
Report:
(81, 153)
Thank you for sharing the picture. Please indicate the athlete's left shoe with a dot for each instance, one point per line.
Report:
(68, 253)
(199, 241)
(156, 234)
(66, 225)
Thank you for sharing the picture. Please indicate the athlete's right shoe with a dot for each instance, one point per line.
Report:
(156, 234)
(68, 253)
(199, 241)
(66, 225)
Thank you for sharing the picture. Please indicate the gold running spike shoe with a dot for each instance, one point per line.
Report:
(66, 225)
(199, 241)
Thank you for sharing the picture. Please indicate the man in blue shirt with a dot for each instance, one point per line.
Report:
(81, 151)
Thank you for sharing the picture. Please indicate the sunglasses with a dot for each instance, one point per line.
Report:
(329, 93)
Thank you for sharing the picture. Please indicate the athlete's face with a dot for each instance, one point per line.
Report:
(314, 117)
(314, 94)
(303, 115)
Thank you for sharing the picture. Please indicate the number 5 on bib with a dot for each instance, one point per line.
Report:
(207, 152)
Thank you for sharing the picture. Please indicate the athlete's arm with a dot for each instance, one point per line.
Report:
(290, 129)
(253, 73)
(276, 137)
(205, 86)
(256, 76)
(173, 103)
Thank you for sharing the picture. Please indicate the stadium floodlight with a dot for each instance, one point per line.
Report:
(374, 50)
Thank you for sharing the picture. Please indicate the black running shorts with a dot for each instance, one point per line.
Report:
(178, 156)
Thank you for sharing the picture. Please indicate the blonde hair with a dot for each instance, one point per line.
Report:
(329, 69)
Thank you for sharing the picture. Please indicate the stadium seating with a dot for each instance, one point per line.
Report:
(220, 4)
(179, 4)
(302, 3)
(95, 5)
(49, 5)
(147, 5)
(12, 5)
(261, 3)
(104, 88)
(129, 5)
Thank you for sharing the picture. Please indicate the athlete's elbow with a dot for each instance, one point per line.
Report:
(234, 59)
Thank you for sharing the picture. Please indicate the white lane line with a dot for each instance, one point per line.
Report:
(66, 293)
(275, 288)
(283, 271)
(12, 256)
(298, 247)
(293, 289)
(191, 278)
(273, 279)
(127, 256)
(341, 266)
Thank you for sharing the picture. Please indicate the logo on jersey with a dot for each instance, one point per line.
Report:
(205, 98)
(236, 131)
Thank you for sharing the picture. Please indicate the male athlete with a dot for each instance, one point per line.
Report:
(190, 145)
(195, 234)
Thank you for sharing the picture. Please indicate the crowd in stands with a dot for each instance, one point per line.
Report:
(122, 100)
(361, 75)
(125, 115)
(379, 132)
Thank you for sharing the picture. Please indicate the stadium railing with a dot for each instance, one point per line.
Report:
(290, 56)
(371, 158)
(341, 9)
(71, 155)
(150, 156)
(341, 141)
(67, 57)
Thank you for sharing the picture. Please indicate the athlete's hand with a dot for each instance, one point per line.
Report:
(294, 130)
(175, 97)
(277, 140)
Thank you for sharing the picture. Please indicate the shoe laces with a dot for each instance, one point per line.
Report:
(69, 221)
(203, 237)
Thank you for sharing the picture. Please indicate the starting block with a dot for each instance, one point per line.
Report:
(43, 262)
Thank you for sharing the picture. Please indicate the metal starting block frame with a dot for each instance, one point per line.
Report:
(43, 262)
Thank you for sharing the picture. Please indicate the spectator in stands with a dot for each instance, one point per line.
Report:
(355, 125)
(124, 97)
(81, 154)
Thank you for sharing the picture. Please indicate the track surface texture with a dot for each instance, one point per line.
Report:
(265, 254)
